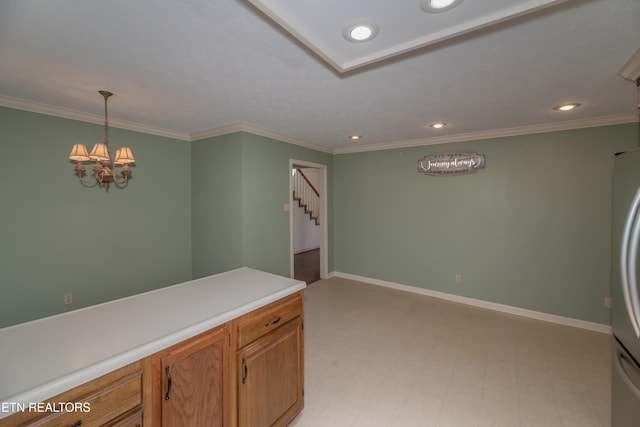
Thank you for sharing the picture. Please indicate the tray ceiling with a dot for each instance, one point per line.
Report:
(402, 25)
(192, 69)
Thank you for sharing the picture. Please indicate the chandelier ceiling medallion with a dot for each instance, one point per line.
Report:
(101, 173)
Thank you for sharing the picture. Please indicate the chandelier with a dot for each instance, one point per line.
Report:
(103, 172)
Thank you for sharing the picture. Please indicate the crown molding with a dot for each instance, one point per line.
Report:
(35, 107)
(51, 110)
(212, 133)
(497, 133)
(244, 127)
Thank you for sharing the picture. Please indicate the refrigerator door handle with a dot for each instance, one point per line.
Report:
(621, 360)
(628, 257)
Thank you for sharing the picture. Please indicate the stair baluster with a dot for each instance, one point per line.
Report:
(306, 195)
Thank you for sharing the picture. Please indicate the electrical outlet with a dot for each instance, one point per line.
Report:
(68, 298)
(458, 278)
(608, 302)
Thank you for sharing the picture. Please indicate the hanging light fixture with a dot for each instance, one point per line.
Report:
(102, 173)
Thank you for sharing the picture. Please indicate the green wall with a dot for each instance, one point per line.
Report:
(238, 215)
(216, 198)
(530, 231)
(58, 237)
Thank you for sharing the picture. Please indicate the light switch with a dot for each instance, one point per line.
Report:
(286, 207)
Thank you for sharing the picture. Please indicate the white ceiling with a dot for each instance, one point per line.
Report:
(196, 68)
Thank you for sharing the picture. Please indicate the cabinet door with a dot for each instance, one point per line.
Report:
(195, 386)
(270, 378)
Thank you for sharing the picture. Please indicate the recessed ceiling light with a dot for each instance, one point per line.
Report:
(567, 107)
(360, 32)
(438, 125)
(355, 137)
(437, 6)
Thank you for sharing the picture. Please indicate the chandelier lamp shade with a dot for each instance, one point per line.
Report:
(103, 172)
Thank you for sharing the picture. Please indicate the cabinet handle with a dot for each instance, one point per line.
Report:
(273, 322)
(77, 423)
(244, 371)
(166, 371)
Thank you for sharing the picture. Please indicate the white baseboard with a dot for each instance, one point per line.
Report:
(531, 314)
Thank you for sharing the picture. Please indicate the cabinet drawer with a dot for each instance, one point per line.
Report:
(133, 420)
(105, 405)
(96, 402)
(268, 318)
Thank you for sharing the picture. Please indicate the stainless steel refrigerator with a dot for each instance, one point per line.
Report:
(625, 318)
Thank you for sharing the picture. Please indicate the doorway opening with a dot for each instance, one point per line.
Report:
(308, 220)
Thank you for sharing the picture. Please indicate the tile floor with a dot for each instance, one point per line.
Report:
(381, 357)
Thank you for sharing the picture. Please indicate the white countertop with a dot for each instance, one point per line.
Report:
(48, 356)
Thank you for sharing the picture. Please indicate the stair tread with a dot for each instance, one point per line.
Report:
(305, 206)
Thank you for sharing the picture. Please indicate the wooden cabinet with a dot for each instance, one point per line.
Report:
(133, 420)
(191, 382)
(269, 364)
(270, 378)
(109, 400)
(247, 372)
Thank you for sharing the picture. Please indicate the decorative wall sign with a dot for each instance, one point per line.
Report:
(452, 163)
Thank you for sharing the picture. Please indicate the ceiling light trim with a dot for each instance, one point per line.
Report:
(566, 107)
(347, 33)
(429, 8)
(438, 125)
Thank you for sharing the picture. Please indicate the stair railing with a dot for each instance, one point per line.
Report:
(306, 195)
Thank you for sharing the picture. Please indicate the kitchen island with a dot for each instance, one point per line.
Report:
(49, 356)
